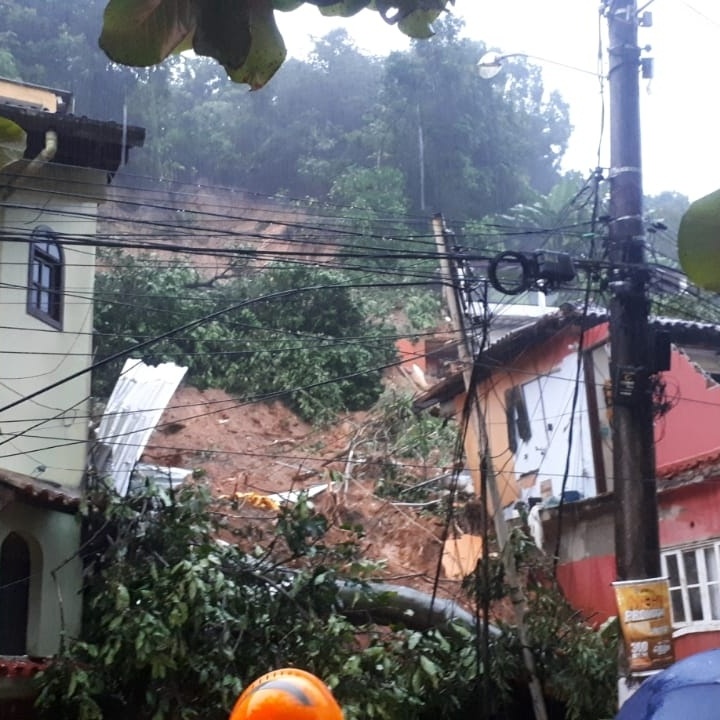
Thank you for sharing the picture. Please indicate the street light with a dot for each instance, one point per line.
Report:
(491, 63)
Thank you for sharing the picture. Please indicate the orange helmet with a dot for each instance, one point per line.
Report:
(287, 694)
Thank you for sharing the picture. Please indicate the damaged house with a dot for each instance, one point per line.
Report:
(548, 412)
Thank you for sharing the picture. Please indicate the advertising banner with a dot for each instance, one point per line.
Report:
(644, 614)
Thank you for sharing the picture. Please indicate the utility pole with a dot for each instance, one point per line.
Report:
(493, 504)
(637, 547)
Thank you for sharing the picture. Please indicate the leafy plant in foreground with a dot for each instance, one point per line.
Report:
(177, 623)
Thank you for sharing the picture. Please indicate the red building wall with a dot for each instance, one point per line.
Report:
(690, 513)
(687, 438)
(587, 584)
(686, 514)
(691, 429)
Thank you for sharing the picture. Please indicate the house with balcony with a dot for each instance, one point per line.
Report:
(545, 392)
(49, 199)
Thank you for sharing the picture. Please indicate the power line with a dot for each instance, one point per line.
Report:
(170, 333)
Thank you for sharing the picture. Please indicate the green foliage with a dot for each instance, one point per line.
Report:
(177, 623)
(411, 443)
(294, 332)
(379, 190)
(559, 220)
(320, 341)
(8, 68)
(576, 662)
(316, 135)
(136, 299)
(422, 308)
(330, 123)
(403, 432)
(13, 141)
(484, 146)
(54, 43)
(374, 194)
(663, 214)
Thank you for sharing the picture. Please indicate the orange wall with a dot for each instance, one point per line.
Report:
(689, 514)
(690, 429)
(536, 361)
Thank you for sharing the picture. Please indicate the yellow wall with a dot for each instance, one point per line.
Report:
(38, 97)
(50, 430)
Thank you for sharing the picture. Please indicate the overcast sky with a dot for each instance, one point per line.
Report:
(680, 106)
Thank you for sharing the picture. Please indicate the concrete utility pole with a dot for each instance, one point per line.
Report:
(637, 547)
(452, 293)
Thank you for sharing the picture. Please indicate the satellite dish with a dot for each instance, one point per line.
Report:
(489, 65)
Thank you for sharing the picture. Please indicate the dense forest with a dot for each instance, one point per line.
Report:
(335, 125)
(385, 141)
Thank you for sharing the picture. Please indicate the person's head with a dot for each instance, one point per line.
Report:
(287, 694)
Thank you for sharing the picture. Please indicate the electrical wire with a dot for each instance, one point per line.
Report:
(576, 391)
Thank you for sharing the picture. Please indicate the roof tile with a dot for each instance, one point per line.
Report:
(21, 666)
(41, 492)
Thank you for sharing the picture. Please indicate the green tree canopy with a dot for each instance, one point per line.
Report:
(468, 147)
(54, 43)
(419, 129)
(294, 332)
(177, 623)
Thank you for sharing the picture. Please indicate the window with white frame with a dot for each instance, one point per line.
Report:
(694, 575)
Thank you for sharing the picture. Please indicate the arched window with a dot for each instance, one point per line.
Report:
(14, 595)
(45, 280)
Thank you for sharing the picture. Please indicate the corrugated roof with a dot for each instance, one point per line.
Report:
(508, 347)
(136, 404)
(82, 142)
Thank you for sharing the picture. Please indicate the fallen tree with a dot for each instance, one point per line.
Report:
(177, 623)
(388, 604)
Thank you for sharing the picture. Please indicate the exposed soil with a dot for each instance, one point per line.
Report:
(264, 448)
